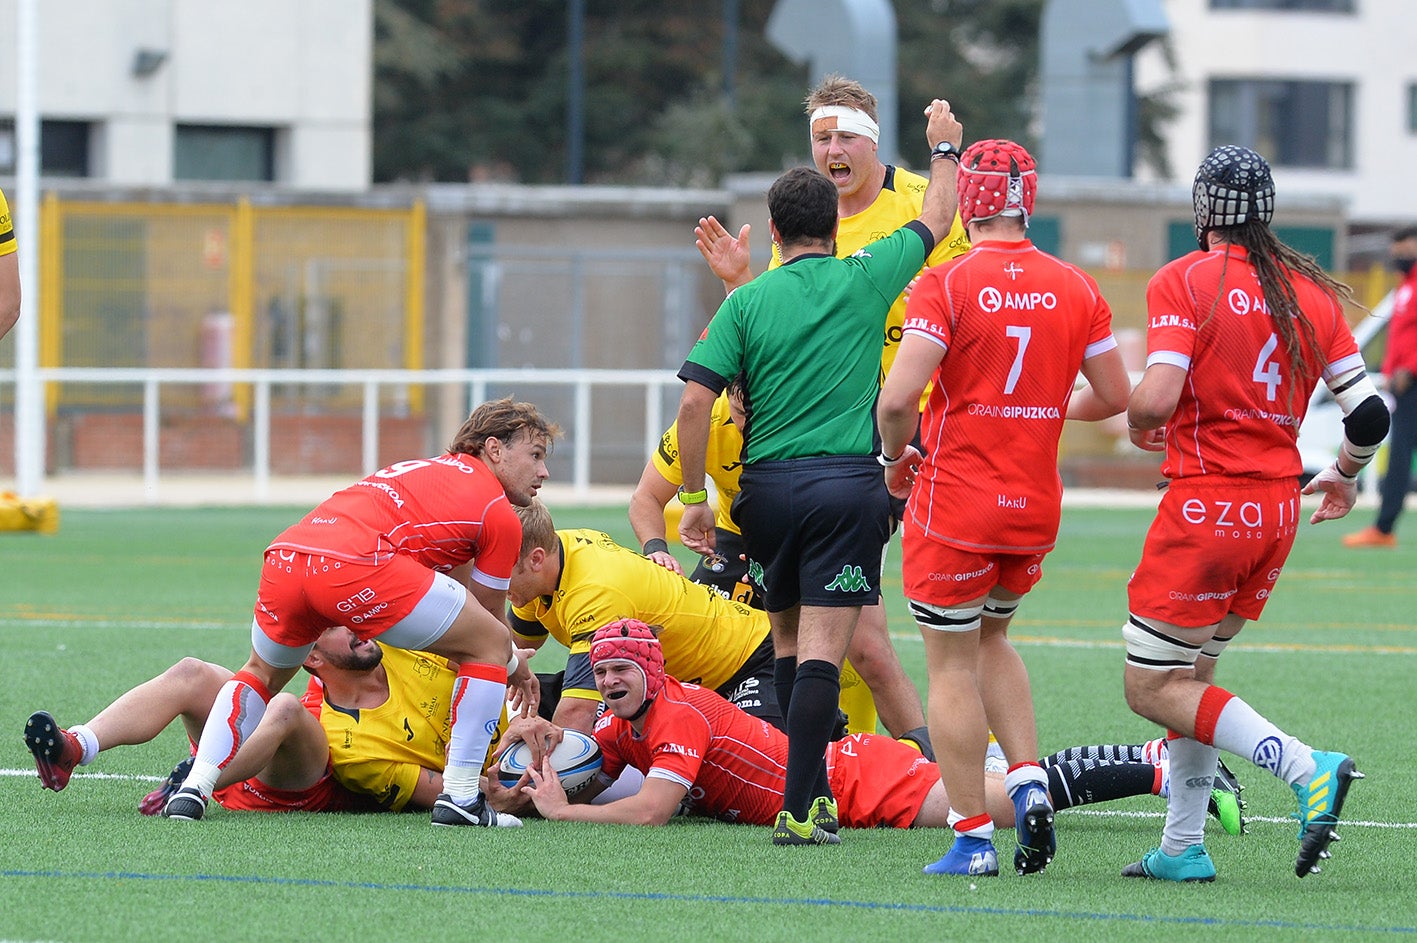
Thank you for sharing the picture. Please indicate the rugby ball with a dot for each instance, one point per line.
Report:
(576, 760)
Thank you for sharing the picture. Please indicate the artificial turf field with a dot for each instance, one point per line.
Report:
(117, 596)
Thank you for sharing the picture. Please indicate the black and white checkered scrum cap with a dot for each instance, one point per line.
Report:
(1233, 186)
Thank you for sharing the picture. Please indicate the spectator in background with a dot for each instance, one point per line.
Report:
(1400, 368)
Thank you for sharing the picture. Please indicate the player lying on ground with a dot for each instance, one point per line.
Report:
(370, 733)
(703, 756)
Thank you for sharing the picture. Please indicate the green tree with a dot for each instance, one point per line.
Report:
(980, 55)
(478, 88)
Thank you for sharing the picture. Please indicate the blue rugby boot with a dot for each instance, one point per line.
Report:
(1191, 866)
(1033, 829)
(968, 855)
(1320, 802)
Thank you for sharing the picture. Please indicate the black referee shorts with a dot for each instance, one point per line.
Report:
(817, 528)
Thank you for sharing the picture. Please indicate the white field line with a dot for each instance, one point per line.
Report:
(1101, 813)
(1116, 645)
(70, 621)
(76, 621)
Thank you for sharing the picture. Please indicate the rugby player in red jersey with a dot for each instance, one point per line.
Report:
(1002, 333)
(419, 556)
(1239, 334)
(703, 756)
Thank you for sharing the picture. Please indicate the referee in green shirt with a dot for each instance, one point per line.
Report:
(813, 507)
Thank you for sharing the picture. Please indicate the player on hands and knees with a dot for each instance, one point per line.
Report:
(418, 555)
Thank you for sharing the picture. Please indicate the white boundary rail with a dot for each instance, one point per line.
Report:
(476, 382)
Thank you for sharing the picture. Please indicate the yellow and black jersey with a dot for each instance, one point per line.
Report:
(723, 461)
(381, 751)
(706, 637)
(7, 227)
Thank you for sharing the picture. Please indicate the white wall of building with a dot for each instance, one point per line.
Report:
(302, 67)
(1375, 48)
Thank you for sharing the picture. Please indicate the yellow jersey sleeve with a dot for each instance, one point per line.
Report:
(7, 228)
(723, 461)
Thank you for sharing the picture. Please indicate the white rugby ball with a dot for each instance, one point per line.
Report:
(576, 760)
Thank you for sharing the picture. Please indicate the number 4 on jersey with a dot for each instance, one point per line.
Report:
(1268, 373)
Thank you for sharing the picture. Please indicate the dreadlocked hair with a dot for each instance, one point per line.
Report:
(1275, 264)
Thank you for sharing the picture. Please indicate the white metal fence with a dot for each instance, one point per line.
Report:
(658, 389)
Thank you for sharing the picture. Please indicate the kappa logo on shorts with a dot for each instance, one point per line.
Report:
(850, 580)
(755, 573)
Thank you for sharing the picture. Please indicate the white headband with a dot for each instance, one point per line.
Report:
(850, 120)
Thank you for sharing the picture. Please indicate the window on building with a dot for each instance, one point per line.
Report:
(1412, 108)
(63, 148)
(1318, 241)
(223, 152)
(1293, 124)
(1321, 6)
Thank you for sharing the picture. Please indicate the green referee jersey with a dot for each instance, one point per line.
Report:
(808, 337)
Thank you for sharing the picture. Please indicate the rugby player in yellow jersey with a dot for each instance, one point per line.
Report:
(9, 271)
(370, 733)
(660, 481)
(568, 583)
(873, 200)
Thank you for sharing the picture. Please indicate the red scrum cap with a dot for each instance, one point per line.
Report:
(634, 641)
(996, 178)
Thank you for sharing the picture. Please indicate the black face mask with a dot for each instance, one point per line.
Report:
(1403, 263)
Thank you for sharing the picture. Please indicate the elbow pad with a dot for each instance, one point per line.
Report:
(1367, 425)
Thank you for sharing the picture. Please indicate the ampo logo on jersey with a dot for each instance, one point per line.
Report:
(991, 300)
(1242, 302)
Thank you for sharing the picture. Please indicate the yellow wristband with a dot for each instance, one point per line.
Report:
(692, 497)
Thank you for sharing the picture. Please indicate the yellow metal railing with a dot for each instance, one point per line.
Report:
(229, 285)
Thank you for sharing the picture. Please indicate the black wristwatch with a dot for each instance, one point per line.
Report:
(947, 150)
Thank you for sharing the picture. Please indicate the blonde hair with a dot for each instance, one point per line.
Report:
(538, 530)
(839, 90)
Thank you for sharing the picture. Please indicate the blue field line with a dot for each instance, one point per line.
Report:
(717, 899)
